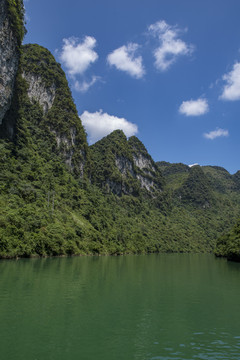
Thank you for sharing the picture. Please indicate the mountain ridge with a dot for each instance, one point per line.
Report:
(60, 196)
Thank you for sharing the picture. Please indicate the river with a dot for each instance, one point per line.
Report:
(147, 307)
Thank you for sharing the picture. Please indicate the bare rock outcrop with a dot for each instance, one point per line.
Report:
(37, 91)
(9, 59)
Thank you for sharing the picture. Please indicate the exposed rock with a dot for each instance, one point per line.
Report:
(9, 58)
(125, 166)
(48, 86)
(148, 172)
(146, 183)
(67, 148)
(142, 162)
(37, 91)
(127, 169)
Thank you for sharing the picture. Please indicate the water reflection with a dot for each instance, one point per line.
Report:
(128, 307)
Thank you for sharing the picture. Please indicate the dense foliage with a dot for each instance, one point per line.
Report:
(115, 165)
(196, 190)
(228, 245)
(61, 122)
(51, 208)
(16, 16)
(104, 155)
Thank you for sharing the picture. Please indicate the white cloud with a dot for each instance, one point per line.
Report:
(195, 164)
(84, 86)
(216, 133)
(123, 59)
(100, 124)
(171, 46)
(231, 90)
(194, 107)
(77, 56)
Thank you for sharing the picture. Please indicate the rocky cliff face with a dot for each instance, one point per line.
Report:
(147, 172)
(38, 67)
(46, 85)
(37, 91)
(9, 58)
(124, 166)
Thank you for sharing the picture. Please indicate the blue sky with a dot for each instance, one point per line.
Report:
(167, 71)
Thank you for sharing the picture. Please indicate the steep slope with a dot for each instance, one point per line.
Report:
(219, 178)
(196, 189)
(236, 180)
(147, 172)
(208, 194)
(175, 174)
(124, 166)
(228, 245)
(60, 197)
(11, 34)
(43, 101)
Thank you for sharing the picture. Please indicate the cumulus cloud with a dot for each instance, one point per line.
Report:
(171, 46)
(77, 56)
(231, 90)
(100, 124)
(216, 133)
(124, 59)
(194, 107)
(84, 86)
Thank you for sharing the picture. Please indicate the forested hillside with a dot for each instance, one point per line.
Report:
(58, 196)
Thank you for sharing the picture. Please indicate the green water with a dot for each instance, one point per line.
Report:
(130, 307)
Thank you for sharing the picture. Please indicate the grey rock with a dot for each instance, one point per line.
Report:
(37, 91)
(67, 145)
(124, 166)
(9, 59)
(142, 162)
(141, 168)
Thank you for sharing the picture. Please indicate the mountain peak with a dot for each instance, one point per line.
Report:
(124, 166)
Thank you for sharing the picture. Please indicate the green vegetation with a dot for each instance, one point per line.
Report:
(60, 197)
(150, 170)
(115, 165)
(196, 190)
(176, 174)
(172, 169)
(228, 245)
(16, 16)
(62, 121)
(104, 154)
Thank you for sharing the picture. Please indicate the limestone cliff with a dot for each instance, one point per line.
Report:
(124, 166)
(9, 56)
(37, 91)
(147, 172)
(47, 86)
(35, 96)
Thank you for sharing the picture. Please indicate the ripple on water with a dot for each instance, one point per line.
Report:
(210, 348)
